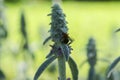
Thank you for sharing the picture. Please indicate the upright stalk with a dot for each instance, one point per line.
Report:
(92, 58)
(62, 68)
(58, 35)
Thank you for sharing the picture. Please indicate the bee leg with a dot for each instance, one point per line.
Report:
(70, 41)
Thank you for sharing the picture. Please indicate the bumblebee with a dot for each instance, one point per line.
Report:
(66, 39)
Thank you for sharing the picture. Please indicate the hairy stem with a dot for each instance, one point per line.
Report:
(62, 68)
(91, 73)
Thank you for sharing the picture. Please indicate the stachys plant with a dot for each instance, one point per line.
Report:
(91, 58)
(61, 48)
(25, 36)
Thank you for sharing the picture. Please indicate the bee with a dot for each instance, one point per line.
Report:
(66, 39)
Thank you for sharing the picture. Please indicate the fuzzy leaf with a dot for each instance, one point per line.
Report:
(66, 52)
(23, 25)
(50, 54)
(43, 67)
(115, 62)
(73, 68)
(46, 40)
(117, 30)
(49, 14)
(2, 75)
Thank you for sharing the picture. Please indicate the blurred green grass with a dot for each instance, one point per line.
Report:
(85, 19)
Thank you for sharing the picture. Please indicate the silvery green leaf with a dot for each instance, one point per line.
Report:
(63, 29)
(64, 15)
(23, 25)
(117, 30)
(43, 67)
(46, 40)
(110, 69)
(73, 68)
(59, 11)
(50, 54)
(66, 51)
(49, 14)
(2, 75)
(62, 18)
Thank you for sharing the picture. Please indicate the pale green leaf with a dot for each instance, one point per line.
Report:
(73, 68)
(46, 40)
(110, 69)
(43, 67)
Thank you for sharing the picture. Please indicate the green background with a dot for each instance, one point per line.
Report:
(85, 19)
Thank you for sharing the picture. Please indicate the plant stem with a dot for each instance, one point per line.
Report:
(62, 68)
